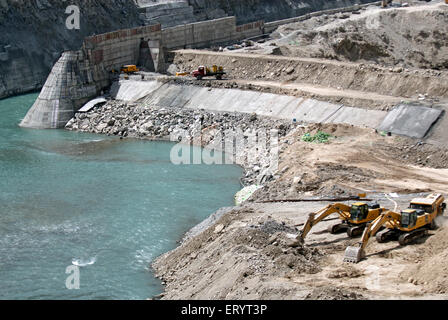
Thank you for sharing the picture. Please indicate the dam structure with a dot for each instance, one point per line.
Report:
(80, 76)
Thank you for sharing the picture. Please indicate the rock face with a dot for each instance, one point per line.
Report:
(174, 12)
(33, 35)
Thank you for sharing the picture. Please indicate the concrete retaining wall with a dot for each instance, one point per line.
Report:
(409, 120)
(200, 34)
(156, 93)
(250, 30)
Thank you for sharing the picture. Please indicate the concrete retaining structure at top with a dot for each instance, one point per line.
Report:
(82, 75)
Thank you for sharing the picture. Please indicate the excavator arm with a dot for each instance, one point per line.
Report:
(355, 254)
(314, 218)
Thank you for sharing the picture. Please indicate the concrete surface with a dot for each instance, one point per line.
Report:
(92, 104)
(156, 93)
(62, 92)
(410, 120)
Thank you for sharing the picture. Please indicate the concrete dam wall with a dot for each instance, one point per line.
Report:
(33, 34)
(82, 75)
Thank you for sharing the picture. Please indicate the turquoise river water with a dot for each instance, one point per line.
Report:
(106, 205)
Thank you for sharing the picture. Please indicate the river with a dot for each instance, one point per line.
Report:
(99, 205)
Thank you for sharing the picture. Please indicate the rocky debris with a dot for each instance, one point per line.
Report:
(345, 272)
(418, 153)
(272, 227)
(200, 127)
(231, 257)
(329, 293)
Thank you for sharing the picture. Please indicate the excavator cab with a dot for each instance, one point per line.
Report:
(359, 211)
(409, 217)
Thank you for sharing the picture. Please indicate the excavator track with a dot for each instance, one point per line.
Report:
(409, 237)
(355, 231)
(338, 228)
(384, 235)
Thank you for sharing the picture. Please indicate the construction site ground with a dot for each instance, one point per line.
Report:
(250, 251)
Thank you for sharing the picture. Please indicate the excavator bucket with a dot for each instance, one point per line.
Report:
(353, 254)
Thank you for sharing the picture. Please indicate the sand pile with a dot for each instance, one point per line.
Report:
(432, 272)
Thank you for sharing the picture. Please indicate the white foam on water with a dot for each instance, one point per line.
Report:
(84, 262)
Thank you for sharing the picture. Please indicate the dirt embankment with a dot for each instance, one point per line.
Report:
(361, 77)
(372, 58)
(356, 160)
(431, 269)
(398, 37)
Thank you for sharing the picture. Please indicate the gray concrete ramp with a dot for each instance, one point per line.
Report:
(358, 117)
(315, 111)
(410, 120)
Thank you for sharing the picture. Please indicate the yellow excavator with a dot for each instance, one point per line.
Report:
(354, 218)
(408, 225)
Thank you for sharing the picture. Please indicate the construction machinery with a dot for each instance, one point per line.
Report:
(215, 71)
(354, 218)
(129, 69)
(406, 226)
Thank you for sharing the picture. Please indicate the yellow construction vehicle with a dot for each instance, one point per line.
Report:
(354, 218)
(407, 226)
(129, 69)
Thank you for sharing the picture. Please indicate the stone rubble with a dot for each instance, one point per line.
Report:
(132, 120)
